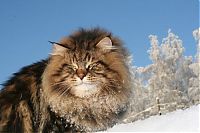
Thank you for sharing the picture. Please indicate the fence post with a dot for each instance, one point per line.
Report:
(158, 104)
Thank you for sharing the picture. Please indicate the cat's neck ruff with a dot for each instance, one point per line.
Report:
(93, 113)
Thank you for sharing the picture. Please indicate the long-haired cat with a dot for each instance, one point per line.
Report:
(83, 86)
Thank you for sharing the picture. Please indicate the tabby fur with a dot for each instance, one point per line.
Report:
(45, 97)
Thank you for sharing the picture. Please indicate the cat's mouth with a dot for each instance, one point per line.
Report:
(84, 89)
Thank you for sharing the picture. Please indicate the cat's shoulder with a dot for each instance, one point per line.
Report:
(33, 70)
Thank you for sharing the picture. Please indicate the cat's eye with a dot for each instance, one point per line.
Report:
(68, 68)
(97, 67)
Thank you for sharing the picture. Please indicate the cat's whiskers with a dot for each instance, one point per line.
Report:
(57, 91)
(61, 91)
(58, 83)
(110, 85)
(59, 88)
(65, 90)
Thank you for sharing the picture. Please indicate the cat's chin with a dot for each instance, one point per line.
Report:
(84, 90)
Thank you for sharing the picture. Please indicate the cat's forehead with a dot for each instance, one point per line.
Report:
(84, 56)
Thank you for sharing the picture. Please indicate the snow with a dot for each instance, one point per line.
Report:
(180, 120)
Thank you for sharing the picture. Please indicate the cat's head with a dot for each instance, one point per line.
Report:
(87, 63)
(87, 81)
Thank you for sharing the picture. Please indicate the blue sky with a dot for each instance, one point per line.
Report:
(26, 26)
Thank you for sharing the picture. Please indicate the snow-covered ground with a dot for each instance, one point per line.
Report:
(180, 120)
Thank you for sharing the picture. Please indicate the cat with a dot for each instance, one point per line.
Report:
(83, 86)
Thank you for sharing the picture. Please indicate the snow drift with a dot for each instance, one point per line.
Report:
(180, 120)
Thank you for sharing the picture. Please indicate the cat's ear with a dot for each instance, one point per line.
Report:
(58, 50)
(105, 44)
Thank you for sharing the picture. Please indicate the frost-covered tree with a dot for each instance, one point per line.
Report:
(169, 83)
(170, 72)
(196, 35)
(194, 90)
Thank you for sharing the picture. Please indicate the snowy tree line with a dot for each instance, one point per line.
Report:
(171, 82)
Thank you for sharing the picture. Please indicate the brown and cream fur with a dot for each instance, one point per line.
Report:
(83, 86)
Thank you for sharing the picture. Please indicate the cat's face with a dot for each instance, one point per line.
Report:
(83, 77)
(86, 68)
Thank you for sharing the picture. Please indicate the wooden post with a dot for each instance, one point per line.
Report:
(158, 104)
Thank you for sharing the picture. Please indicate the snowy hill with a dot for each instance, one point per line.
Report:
(180, 120)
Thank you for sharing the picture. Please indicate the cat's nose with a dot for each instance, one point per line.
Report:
(81, 73)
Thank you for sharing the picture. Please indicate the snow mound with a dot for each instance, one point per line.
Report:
(180, 120)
